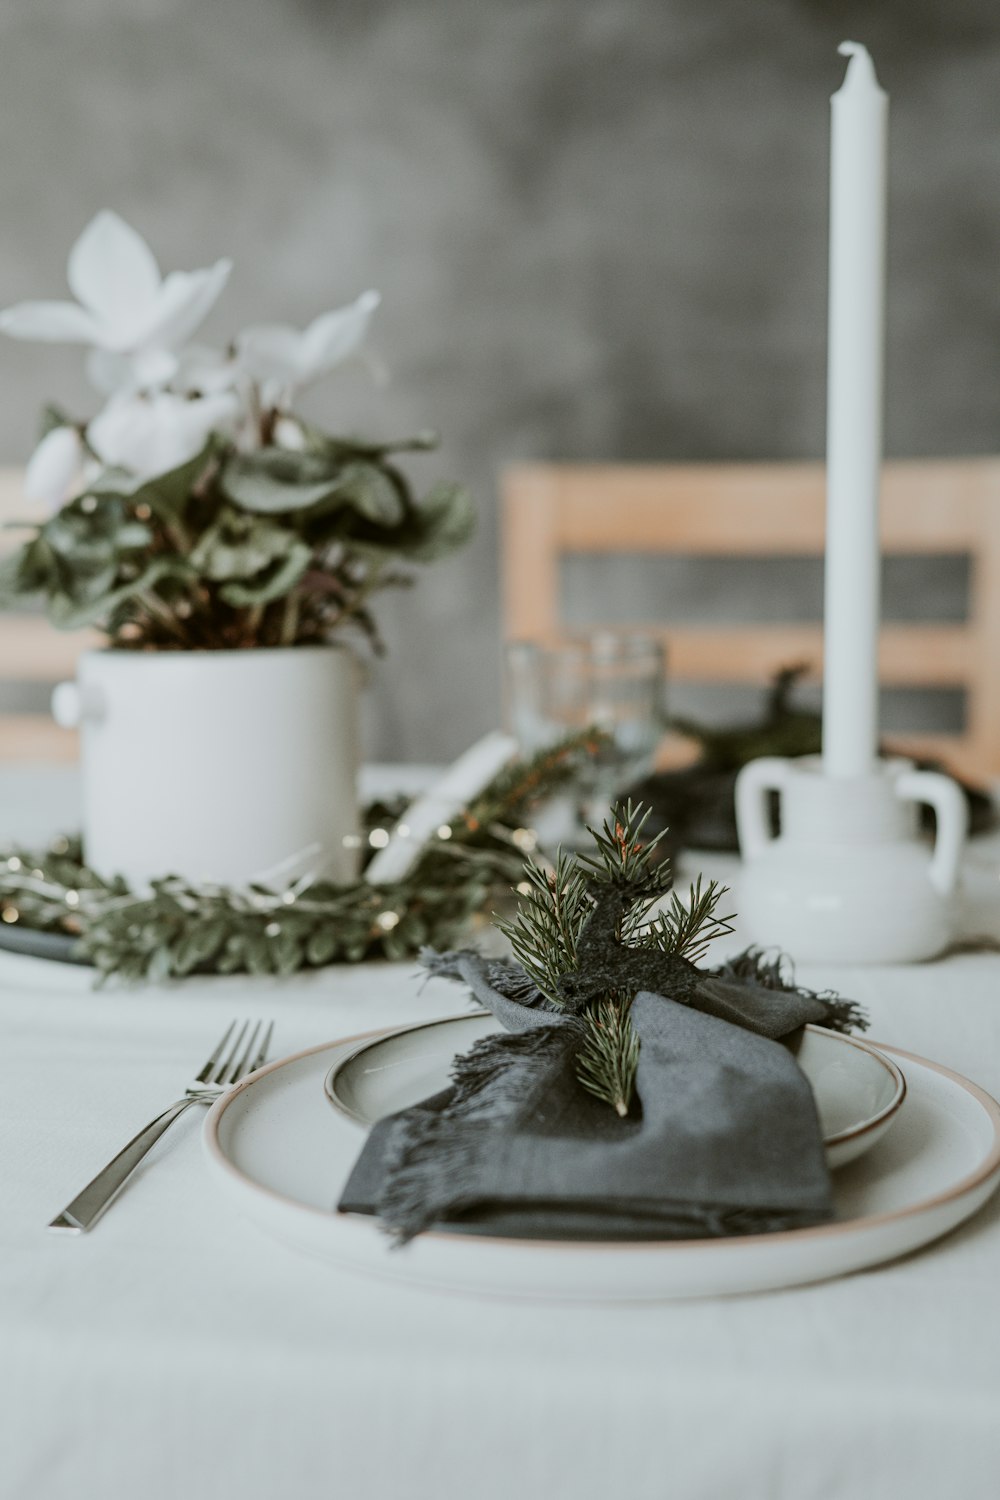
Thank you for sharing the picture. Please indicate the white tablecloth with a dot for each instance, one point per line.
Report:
(174, 1352)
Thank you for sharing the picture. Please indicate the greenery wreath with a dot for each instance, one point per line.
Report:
(180, 928)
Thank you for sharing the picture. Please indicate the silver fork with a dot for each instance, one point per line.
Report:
(231, 1060)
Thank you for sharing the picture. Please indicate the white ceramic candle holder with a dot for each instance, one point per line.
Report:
(849, 878)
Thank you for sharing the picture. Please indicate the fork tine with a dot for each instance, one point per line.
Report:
(207, 1070)
(262, 1050)
(241, 1066)
(220, 1072)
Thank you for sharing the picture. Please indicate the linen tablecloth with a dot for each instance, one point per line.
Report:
(176, 1352)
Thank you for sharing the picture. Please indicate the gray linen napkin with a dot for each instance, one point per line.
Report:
(724, 1138)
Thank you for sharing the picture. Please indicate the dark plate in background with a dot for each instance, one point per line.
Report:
(58, 946)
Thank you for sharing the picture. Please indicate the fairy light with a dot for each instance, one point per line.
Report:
(88, 505)
(378, 838)
(525, 839)
(13, 863)
(387, 920)
(10, 914)
(351, 841)
(72, 898)
(289, 898)
(444, 832)
(273, 929)
(524, 888)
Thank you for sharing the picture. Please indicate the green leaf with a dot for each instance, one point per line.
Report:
(273, 481)
(17, 580)
(279, 582)
(166, 494)
(370, 491)
(160, 965)
(198, 946)
(286, 953)
(240, 546)
(322, 946)
(68, 613)
(346, 448)
(52, 418)
(256, 954)
(447, 520)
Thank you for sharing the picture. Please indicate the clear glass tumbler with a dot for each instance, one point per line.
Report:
(613, 680)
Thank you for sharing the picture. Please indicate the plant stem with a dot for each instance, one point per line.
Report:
(290, 619)
(159, 612)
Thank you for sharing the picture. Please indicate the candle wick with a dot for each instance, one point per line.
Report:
(860, 69)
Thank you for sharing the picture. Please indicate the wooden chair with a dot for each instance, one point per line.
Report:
(32, 651)
(766, 510)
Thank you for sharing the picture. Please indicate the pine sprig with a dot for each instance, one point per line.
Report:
(624, 881)
(546, 927)
(607, 1062)
(518, 787)
(621, 858)
(688, 930)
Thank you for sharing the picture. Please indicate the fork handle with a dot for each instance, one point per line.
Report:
(88, 1206)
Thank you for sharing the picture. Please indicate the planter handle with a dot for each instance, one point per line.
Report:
(72, 705)
(753, 813)
(952, 813)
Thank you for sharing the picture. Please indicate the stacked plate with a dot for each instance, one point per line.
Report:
(914, 1156)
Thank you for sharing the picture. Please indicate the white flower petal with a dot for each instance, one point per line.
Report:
(50, 323)
(113, 272)
(182, 303)
(205, 371)
(333, 336)
(124, 374)
(272, 353)
(288, 434)
(52, 474)
(109, 372)
(150, 435)
(153, 368)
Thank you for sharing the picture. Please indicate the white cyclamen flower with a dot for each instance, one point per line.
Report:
(155, 433)
(283, 359)
(193, 371)
(124, 304)
(54, 469)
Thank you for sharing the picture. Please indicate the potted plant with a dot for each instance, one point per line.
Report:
(228, 550)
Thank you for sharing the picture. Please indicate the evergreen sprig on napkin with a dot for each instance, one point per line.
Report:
(573, 923)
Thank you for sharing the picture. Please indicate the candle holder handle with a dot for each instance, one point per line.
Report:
(952, 814)
(753, 807)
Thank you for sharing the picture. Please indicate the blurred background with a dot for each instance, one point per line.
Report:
(599, 230)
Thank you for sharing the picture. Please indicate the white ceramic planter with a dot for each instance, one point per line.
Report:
(216, 765)
(849, 880)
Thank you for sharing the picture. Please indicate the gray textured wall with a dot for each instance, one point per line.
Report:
(599, 229)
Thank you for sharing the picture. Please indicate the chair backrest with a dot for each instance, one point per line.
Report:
(31, 650)
(767, 510)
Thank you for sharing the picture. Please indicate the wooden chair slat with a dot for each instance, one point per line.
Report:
(929, 507)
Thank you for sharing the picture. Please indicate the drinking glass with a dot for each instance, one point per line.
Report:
(612, 680)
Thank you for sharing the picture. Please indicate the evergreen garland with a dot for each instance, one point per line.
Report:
(183, 928)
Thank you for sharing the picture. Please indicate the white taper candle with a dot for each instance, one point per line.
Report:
(859, 131)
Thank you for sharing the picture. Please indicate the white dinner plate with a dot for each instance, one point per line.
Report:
(858, 1089)
(282, 1154)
